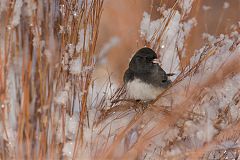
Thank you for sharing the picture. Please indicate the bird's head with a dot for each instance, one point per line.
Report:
(143, 61)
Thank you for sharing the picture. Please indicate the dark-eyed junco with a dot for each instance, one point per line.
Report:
(145, 79)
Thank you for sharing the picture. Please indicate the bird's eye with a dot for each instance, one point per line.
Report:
(149, 59)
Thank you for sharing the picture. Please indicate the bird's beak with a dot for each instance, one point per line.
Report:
(156, 61)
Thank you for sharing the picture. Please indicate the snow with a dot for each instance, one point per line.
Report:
(206, 8)
(76, 66)
(17, 12)
(84, 39)
(30, 7)
(174, 35)
(61, 98)
(12, 103)
(49, 55)
(213, 100)
(169, 58)
(105, 49)
(186, 6)
(226, 5)
(147, 27)
(72, 125)
(185, 29)
(68, 149)
(62, 9)
(3, 5)
(215, 109)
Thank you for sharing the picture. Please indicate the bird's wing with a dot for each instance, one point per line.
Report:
(159, 77)
(128, 76)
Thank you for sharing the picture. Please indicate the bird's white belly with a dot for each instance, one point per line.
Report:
(140, 90)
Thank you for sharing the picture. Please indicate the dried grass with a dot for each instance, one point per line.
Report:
(36, 67)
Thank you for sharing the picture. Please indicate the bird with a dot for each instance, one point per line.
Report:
(144, 79)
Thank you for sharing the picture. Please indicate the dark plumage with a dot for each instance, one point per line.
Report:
(143, 69)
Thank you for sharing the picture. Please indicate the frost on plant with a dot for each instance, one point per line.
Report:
(84, 39)
(3, 5)
(105, 49)
(53, 106)
(17, 12)
(170, 33)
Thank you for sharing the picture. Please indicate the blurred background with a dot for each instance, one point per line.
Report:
(120, 23)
